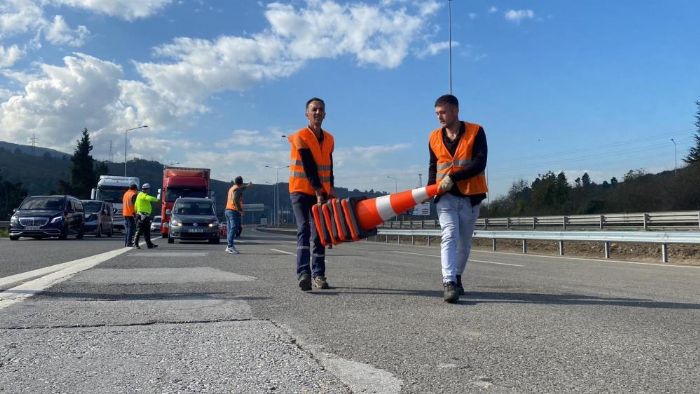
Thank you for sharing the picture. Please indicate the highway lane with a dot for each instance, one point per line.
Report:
(28, 254)
(527, 323)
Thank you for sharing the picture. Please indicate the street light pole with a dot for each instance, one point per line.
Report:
(125, 143)
(675, 157)
(276, 193)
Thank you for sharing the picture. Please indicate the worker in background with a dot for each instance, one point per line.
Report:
(310, 182)
(129, 213)
(458, 153)
(143, 216)
(234, 212)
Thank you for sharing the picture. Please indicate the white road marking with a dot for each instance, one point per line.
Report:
(471, 260)
(169, 254)
(283, 252)
(28, 289)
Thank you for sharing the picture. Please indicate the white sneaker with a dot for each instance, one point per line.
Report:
(234, 250)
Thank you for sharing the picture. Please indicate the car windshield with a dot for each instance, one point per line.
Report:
(111, 193)
(174, 192)
(194, 208)
(156, 219)
(92, 206)
(43, 203)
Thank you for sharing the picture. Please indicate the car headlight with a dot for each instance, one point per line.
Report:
(14, 220)
(57, 219)
(215, 224)
(175, 223)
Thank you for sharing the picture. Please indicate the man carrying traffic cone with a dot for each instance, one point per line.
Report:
(310, 183)
(458, 153)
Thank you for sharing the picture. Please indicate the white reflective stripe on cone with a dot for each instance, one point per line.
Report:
(419, 195)
(384, 208)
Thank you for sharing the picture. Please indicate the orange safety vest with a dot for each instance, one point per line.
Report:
(321, 152)
(128, 204)
(229, 201)
(448, 164)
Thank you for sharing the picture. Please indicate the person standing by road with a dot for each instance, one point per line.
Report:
(233, 212)
(143, 212)
(458, 153)
(129, 213)
(310, 182)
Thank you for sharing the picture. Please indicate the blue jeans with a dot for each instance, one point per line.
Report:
(129, 230)
(233, 221)
(306, 233)
(457, 219)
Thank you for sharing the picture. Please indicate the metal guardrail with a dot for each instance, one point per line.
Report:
(658, 237)
(4, 225)
(642, 220)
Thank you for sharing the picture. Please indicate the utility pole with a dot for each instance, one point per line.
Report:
(449, 6)
(111, 156)
(33, 140)
(420, 180)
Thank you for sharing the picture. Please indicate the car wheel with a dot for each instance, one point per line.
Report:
(14, 237)
(99, 231)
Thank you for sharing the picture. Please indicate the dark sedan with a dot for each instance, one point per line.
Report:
(48, 216)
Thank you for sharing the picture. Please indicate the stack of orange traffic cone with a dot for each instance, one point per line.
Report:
(352, 219)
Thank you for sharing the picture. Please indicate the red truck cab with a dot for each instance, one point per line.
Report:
(181, 182)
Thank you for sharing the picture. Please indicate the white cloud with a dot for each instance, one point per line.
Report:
(10, 55)
(19, 16)
(436, 47)
(59, 33)
(251, 138)
(125, 9)
(365, 154)
(63, 101)
(493, 10)
(518, 16)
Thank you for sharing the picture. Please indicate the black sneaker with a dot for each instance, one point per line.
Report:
(460, 288)
(451, 293)
(151, 246)
(305, 281)
(320, 282)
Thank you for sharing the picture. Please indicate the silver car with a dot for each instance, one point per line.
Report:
(194, 219)
(155, 224)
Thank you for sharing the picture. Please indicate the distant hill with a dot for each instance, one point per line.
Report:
(33, 151)
(18, 163)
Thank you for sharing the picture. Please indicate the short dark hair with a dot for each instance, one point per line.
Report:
(312, 99)
(238, 180)
(133, 186)
(447, 99)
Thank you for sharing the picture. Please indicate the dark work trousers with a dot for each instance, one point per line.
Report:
(144, 227)
(306, 231)
(129, 230)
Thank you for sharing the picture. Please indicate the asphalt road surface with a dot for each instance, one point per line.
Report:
(91, 316)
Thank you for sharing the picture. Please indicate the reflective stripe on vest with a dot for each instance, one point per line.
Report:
(321, 152)
(127, 204)
(448, 164)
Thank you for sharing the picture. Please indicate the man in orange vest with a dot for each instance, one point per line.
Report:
(129, 214)
(310, 182)
(458, 153)
(233, 212)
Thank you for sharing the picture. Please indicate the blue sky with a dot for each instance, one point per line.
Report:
(589, 86)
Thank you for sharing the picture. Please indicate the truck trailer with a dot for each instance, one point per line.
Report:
(181, 182)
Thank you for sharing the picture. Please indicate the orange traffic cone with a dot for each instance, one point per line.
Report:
(352, 219)
(372, 212)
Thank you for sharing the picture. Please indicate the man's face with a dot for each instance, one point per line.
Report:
(447, 114)
(315, 113)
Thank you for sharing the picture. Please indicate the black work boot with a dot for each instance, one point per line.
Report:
(460, 288)
(305, 281)
(450, 294)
